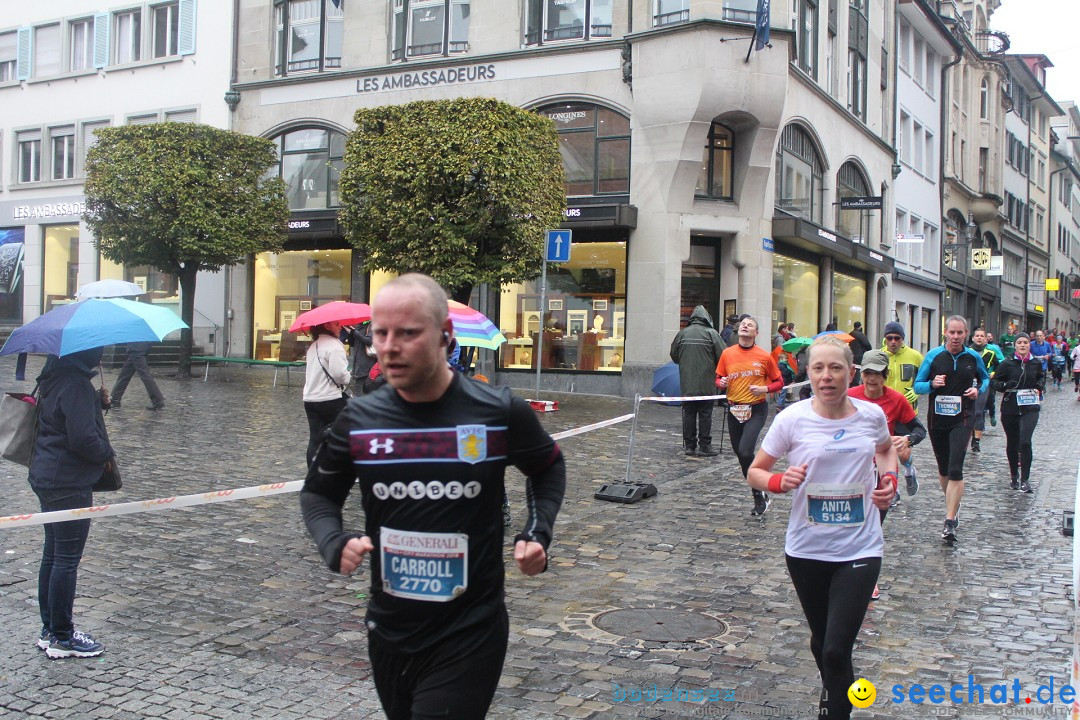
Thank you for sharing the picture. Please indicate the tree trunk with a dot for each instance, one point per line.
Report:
(187, 314)
(461, 293)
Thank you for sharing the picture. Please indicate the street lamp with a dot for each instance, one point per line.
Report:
(969, 230)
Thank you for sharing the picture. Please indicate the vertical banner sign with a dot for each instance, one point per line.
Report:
(762, 28)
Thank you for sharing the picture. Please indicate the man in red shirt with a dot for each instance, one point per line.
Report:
(904, 425)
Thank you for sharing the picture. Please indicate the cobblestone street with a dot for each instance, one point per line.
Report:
(225, 611)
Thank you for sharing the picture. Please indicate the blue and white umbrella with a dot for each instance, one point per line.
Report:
(92, 323)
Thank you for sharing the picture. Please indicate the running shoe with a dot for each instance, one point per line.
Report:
(1025, 487)
(895, 501)
(78, 645)
(44, 639)
(975, 447)
(911, 479)
(761, 504)
(948, 533)
(1015, 484)
(876, 594)
(993, 420)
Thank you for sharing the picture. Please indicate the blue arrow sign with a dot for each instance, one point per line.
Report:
(557, 245)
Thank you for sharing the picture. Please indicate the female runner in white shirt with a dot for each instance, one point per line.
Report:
(834, 544)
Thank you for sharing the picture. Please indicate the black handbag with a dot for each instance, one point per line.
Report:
(110, 477)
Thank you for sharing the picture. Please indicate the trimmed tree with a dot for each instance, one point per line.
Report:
(182, 198)
(459, 189)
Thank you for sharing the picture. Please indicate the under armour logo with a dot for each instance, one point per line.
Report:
(387, 446)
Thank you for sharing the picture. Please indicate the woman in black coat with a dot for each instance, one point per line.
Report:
(1021, 380)
(70, 454)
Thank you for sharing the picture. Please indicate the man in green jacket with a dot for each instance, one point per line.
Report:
(904, 363)
(696, 350)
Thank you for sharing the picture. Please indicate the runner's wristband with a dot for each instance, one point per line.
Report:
(774, 483)
(895, 480)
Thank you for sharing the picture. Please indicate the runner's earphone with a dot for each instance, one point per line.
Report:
(445, 337)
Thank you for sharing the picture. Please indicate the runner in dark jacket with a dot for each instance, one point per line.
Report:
(1021, 380)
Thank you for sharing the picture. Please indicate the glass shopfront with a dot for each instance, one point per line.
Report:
(161, 288)
(289, 283)
(794, 295)
(584, 321)
(849, 300)
(11, 268)
(60, 277)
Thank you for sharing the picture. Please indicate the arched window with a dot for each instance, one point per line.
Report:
(717, 169)
(984, 99)
(798, 175)
(853, 223)
(310, 161)
(595, 147)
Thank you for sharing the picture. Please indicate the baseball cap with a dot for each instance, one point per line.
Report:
(875, 360)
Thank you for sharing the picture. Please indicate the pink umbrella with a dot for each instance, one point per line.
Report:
(346, 313)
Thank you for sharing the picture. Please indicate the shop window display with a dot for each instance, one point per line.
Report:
(795, 293)
(60, 279)
(289, 283)
(849, 300)
(161, 288)
(584, 318)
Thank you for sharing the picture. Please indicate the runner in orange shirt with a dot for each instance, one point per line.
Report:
(748, 374)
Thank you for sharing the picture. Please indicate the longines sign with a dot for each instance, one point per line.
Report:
(42, 210)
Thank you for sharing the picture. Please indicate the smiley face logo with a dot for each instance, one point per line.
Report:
(862, 693)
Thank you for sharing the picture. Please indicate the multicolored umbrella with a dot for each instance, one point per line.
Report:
(90, 324)
(473, 329)
(346, 313)
(109, 289)
(838, 334)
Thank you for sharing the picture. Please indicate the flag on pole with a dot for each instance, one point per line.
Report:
(762, 29)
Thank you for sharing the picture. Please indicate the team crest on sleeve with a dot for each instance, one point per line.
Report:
(472, 443)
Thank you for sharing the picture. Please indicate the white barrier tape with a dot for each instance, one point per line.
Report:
(594, 426)
(689, 398)
(141, 506)
(207, 498)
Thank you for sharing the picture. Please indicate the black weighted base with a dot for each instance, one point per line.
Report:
(625, 493)
(1067, 520)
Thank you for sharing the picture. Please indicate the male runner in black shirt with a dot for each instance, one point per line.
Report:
(428, 452)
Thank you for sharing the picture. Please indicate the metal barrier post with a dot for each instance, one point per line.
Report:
(633, 431)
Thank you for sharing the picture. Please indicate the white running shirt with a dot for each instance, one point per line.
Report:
(832, 517)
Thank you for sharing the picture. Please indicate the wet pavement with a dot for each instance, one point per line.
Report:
(225, 611)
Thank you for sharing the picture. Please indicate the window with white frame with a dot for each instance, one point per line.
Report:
(930, 84)
(904, 138)
(166, 29)
(47, 50)
(88, 140)
(558, 20)
(143, 118)
(807, 31)
(984, 99)
(905, 46)
(182, 116)
(858, 43)
(310, 35)
(28, 145)
(928, 152)
(669, 12)
(918, 58)
(9, 52)
(420, 27)
(127, 37)
(917, 147)
(81, 44)
(62, 147)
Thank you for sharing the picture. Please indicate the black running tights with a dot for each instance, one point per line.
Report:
(834, 598)
(744, 436)
(1018, 432)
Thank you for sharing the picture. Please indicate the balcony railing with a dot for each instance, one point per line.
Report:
(739, 15)
(671, 18)
(992, 42)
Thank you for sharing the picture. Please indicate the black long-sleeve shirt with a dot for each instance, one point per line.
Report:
(431, 477)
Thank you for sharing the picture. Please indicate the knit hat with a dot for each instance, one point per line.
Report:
(895, 328)
(1021, 335)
